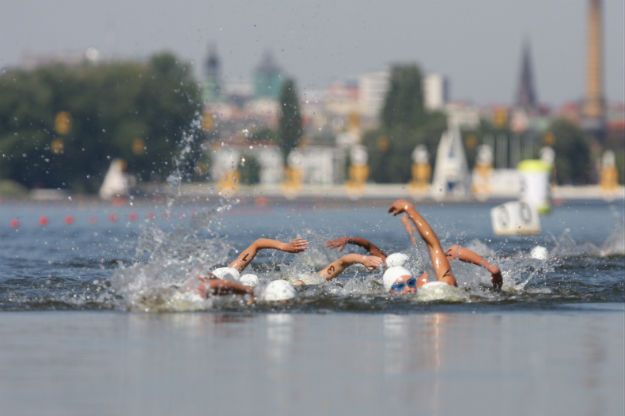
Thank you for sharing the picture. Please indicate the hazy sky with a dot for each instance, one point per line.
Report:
(476, 43)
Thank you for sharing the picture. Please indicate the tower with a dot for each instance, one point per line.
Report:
(526, 93)
(268, 78)
(212, 72)
(594, 102)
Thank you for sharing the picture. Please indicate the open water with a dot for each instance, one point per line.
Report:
(89, 326)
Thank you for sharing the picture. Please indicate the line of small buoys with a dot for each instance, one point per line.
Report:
(113, 218)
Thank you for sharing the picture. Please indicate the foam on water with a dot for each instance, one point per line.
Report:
(166, 259)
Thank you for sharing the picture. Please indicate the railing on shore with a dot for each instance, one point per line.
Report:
(380, 191)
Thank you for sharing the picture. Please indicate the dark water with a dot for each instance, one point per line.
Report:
(116, 258)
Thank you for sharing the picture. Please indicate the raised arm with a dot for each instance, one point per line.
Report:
(409, 229)
(372, 249)
(440, 264)
(335, 268)
(296, 246)
(469, 256)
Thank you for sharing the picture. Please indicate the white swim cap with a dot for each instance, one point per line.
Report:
(278, 290)
(227, 273)
(396, 259)
(539, 253)
(392, 274)
(249, 280)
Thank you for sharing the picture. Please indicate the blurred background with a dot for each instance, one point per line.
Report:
(445, 98)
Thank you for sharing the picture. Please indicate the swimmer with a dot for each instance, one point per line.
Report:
(442, 268)
(337, 267)
(226, 280)
(405, 283)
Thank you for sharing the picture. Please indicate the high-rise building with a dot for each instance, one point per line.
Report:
(526, 93)
(268, 78)
(435, 91)
(212, 73)
(372, 89)
(594, 102)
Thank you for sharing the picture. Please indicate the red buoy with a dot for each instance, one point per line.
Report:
(43, 221)
(69, 219)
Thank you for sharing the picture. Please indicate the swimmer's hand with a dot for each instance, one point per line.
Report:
(497, 279)
(296, 246)
(250, 298)
(399, 206)
(337, 243)
(371, 262)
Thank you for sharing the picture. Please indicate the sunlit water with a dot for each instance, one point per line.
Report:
(86, 328)
(132, 264)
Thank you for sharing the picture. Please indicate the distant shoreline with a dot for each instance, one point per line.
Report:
(372, 194)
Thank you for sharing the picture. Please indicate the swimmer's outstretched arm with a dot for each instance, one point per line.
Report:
(222, 287)
(469, 256)
(296, 246)
(440, 264)
(337, 266)
(372, 249)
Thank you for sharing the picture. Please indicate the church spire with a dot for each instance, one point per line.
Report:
(212, 71)
(526, 93)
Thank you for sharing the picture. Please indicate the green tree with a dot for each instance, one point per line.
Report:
(138, 111)
(404, 124)
(403, 105)
(290, 123)
(572, 149)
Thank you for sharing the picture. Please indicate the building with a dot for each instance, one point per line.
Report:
(372, 89)
(435, 92)
(268, 78)
(526, 98)
(463, 115)
(212, 77)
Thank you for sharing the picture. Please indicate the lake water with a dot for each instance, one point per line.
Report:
(86, 327)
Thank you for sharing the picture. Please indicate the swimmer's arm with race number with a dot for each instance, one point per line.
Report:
(469, 256)
(340, 243)
(295, 246)
(337, 266)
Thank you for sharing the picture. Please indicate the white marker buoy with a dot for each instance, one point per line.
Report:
(535, 188)
(515, 218)
(539, 253)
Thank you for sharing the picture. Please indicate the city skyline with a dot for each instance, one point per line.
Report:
(307, 43)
